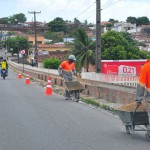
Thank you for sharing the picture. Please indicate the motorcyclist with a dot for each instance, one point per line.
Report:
(67, 70)
(4, 66)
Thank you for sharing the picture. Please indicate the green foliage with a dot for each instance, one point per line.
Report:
(17, 43)
(54, 36)
(112, 21)
(83, 49)
(4, 20)
(57, 25)
(142, 21)
(117, 45)
(113, 53)
(132, 20)
(76, 21)
(18, 18)
(15, 19)
(138, 21)
(92, 102)
(51, 63)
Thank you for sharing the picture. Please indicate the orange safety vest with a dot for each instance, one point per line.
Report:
(66, 66)
(144, 79)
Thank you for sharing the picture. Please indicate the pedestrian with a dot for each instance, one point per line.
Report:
(143, 87)
(66, 70)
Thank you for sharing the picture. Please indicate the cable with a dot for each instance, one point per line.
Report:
(37, 5)
(111, 4)
(85, 10)
(63, 10)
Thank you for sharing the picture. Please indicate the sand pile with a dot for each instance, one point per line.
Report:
(132, 106)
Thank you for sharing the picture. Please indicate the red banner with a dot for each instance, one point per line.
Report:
(122, 67)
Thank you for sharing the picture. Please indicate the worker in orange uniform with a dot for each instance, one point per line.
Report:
(144, 85)
(67, 70)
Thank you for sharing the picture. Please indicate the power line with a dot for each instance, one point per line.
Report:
(111, 4)
(64, 10)
(38, 5)
(85, 10)
(107, 5)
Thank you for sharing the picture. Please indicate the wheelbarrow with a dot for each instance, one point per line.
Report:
(74, 89)
(133, 119)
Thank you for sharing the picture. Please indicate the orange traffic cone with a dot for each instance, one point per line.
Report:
(19, 76)
(27, 79)
(49, 80)
(48, 90)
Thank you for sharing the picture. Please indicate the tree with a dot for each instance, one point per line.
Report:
(113, 21)
(86, 22)
(117, 45)
(129, 38)
(114, 52)
(131, 20)
(54, 36)
(4, 20)
(76, 21)
(142, 21)
(138, 21)
(15, 19)
(57, 25)
(84, 49)
(17, 43)
(18, 18)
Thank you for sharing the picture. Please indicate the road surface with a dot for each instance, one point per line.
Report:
(29, 120)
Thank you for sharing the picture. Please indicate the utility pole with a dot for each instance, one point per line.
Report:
(98, 37)
(35, 35)
(18, 51)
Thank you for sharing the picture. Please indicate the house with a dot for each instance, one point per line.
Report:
(146, 41)
(44, 50)
(31, 39)
(52, 47)
(123, 26)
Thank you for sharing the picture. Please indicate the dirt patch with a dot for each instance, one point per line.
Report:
(132, 106)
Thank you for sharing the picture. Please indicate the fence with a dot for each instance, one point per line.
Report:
(110, 78)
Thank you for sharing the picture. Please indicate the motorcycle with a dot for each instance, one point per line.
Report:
(4, 73)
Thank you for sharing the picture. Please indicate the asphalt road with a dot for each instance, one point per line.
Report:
(29, 120)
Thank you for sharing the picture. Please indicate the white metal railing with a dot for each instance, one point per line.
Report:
(110, 78)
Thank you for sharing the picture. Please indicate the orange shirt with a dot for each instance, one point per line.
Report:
(144, 79)
(66, 66)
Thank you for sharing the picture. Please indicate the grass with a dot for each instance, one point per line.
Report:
(92, 102)
(102, 106)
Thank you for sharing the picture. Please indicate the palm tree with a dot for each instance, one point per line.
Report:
(84, 49)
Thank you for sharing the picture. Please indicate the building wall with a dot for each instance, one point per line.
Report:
(40, 39)
(40, 49)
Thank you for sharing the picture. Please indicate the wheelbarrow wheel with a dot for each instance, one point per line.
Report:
(147, 136)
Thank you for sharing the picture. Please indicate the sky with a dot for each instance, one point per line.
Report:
(80, 9)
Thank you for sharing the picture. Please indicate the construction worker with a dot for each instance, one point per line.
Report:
(144, 85)
(66, 70)
(4, 66)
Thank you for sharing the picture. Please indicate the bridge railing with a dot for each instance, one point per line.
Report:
(110, 78)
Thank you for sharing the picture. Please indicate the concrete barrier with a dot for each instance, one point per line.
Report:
(111, 92)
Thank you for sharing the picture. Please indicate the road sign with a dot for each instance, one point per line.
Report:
(22, 52)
